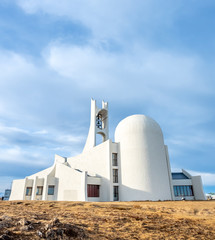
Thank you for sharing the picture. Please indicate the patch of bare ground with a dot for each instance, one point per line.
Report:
(119, 220)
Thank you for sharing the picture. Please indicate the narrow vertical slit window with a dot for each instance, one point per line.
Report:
(115, 176)
(116, 193)
(114, 159)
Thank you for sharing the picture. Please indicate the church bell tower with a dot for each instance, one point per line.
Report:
(98, 124)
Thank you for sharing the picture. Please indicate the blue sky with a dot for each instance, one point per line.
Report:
(143, 57)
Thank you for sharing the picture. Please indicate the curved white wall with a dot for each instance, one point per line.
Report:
(144, 169)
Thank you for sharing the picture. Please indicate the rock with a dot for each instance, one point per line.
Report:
(40, 234)
(6, 222)
(50, 234)
(5, 237)
(55, 221)
(60, 232)
(24, 222)
(26, 228)
(30, 227)
(6, 218)
(8, 232)
(48, 226)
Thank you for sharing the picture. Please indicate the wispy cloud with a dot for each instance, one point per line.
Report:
(207, 177)
(121, 18)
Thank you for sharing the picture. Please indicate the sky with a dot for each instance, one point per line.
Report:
(142, 56)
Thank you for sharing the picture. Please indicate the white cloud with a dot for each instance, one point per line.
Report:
(6, 129)
(70, 138)
(14, 67)
(82, 65)
(189, 139)
(41, 132)
(109, 18)
(18, 155)
(157, 72)
(208, 179)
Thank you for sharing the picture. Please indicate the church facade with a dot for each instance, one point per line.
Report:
(134, 167)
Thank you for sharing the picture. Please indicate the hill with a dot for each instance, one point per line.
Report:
(109, 220)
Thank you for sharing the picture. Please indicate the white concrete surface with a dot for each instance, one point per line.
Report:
(144, 171)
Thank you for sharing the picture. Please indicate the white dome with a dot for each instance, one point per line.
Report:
(138, 123)
(144, 169)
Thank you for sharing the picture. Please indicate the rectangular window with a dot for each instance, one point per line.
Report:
(39, 190)
(114, 159)
(51, 190)
(181, 191)
(115, 175)
(116, 193)
(191, 190)
(185, 191)
(175, 191)
(92, 190)
(28, 191)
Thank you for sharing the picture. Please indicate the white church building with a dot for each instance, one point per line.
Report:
(134, 167)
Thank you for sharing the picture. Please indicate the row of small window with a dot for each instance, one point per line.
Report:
(186, 190)
(115, 177)
(40, 190)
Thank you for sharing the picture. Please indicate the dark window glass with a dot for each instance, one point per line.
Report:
(186, 191)
(179, 175)
(175, 191)
(39, 191)
(191, 190)
(28, 191)
(115, 175)
(116, 193)
(181, 191)
(92, 190)
(114, 159)
(51, 190)
(178, 192)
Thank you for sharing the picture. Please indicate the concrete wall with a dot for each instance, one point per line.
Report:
(198, 188)
(94, 181)
(144, 170)
(28, 183)
(97, 160)
(18, 189)
(71, 184)
(52, 181)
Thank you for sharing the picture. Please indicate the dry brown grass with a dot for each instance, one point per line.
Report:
(118, 220)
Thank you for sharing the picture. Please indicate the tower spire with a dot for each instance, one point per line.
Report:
(98, 124)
